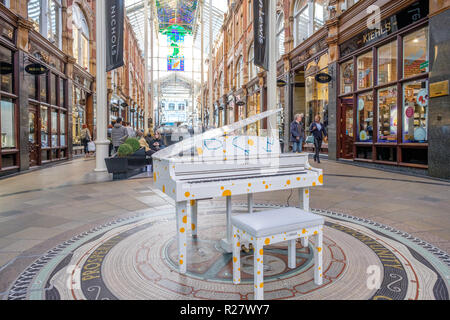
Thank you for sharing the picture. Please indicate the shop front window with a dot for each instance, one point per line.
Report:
(347, 77)
(43, 89)
(365, 70)
(6, 78)
(415, 53)
(8, 122)
(54, 128)
(387, 115)
(364, 120)
(44, 127)
(387, 63)
(415, 112)
(62, 126)
(316, 100)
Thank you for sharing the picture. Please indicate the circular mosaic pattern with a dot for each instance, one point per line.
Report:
(135, 258)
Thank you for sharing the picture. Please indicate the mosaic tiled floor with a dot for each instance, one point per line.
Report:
(134, 258)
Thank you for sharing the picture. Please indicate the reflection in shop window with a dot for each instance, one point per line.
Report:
(316, 100)
(387, 115)
(62, 126)
(44, 127)
(415, 53)
(364, 120)
(365, 70)
(387, 63)
(8, 132)
(347, 76)
(415, 111)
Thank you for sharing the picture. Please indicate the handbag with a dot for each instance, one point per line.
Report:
(309, 139)
(91, 147)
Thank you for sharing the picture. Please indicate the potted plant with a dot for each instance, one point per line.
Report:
(129, 161)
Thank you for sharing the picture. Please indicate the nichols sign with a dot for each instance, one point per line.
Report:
(114, 33)
(36, 69)
(260, 28)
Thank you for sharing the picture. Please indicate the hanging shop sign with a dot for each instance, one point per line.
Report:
(281, 83)
(394, 23)
(36, 69)
(114, 33)
(6, 68)
(260, 29)
(323, 77)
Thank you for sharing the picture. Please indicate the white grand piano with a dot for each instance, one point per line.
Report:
(219, 164)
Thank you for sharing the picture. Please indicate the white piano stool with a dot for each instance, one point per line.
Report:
(274, 226)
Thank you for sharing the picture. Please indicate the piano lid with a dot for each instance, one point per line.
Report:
(188, 144)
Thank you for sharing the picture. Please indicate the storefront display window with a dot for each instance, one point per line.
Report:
(8, 124)
(387, 63)
(364, 120)
(316, 100)
(415, 53)
(387, 115)
(6, 58)
(54, 128)
(347, 77)
(365, 70)
(415, 112)
(53, 87)
(43, 91)
(62, 126)
(44, 127)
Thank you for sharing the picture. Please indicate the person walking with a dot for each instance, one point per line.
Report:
(317, 129)
(118, 134)
(85, 139)
(297, 133)
(130, 130)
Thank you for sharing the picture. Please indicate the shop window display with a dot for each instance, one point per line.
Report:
(387, 115)
(316, 100)
(365, 70)
(347, 77)
(415, 53)
(62, 126)
(8, 132)
(54, 128)
(415, 112)
(364, 120)
(6, 80)
(387, 63)
(44, 127)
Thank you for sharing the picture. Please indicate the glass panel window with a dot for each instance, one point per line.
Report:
(76, 46)
(387, 63)
(44, 127)
(387, 115)
(53, 87)
(415, 53)
(320, 13)
(365, 70)
(43, 89)
(301, 21)
(34, 13)
(54, 128)
(415, 111)
(62, 126)
(61, 93)
(7, 113)
(316, 101)
(364, 120)
(6, 77)
(280, 35)
(347, 77)
(32, 88)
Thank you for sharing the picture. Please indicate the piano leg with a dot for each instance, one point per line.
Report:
(258, 270)
(292, 254)
(194, 210)
(250, 202)
(303, 194)
(226, 243)
(182, 228)
(318, 272)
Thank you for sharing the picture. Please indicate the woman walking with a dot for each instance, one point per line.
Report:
(85, 139)
(317, 129)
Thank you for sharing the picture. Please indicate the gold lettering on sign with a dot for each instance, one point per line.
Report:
(439, 89)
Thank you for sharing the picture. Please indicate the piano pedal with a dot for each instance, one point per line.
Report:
(245, 249)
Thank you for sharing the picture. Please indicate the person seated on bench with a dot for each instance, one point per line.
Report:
(144, 144)
(157, 143)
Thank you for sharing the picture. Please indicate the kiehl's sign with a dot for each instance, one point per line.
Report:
(394, 23)
(114, 33)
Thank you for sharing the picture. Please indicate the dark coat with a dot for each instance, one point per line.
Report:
(161, 144)
(296, 130)
(316, 133)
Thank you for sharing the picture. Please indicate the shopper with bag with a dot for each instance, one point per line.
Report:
(85, 139)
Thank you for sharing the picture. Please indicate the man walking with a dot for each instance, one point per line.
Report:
(118, 134)
(297, 133)
(318, 131)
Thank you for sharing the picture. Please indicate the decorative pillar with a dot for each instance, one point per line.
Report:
(102, 143)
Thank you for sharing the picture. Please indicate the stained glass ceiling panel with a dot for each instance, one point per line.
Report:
(179, 12)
